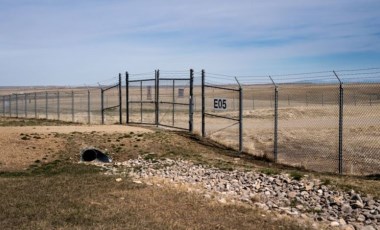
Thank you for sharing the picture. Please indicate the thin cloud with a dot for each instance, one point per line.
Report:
(95, 39)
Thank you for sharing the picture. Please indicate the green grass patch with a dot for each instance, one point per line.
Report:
(296, 175)
(270, 171)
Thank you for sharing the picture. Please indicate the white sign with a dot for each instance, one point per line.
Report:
(220, 103)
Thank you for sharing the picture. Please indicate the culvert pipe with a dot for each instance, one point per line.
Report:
(94, 154)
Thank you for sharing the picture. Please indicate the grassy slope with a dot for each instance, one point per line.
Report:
(63, 194)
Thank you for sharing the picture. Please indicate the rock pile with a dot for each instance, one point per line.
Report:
(305, 198)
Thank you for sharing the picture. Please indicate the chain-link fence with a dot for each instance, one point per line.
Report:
(74, 105)
(324, 121)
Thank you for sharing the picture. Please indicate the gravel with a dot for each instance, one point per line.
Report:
(305, 198)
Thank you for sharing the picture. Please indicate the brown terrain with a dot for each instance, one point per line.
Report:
(44, 187)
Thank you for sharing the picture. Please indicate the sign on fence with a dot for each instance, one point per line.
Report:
(220, 103)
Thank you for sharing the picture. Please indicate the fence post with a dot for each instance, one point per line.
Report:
(88, 107)
(240, 117)
(46, 105)
(58, 106)
(158, 97)
(191, 102)
(16, 105)
(4, 106)
(275, 138)
(127, 96)
(141, 104)
(203, 104)
(10, 105)
(26, 105)
(173, 100)
(340, 148)
(35, 105)
(72, 106)
(102, 104)
(120, 101)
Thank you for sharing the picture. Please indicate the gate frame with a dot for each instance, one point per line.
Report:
(204, 113)
(102, 90)
(157, 101)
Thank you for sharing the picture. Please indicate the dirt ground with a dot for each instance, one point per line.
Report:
(25, 145)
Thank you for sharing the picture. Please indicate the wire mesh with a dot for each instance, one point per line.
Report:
(258, 123)
(111, 103)
(3, 106)
(142, 96)
(308, 126)
(174, 99)
(361, 128)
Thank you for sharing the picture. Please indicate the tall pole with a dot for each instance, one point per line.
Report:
(127, 96)
(58, 106)
(25, 105)
(191, 102)
(275, 143)
(158, 97)
(240, 119)
(16, 105)
(4, 106)
(35, 105)
(155, 98)
(88, 107)
(173, 100)
(120, 101)
(340, 148)
(102, 105)
(141, 103)
(72, 106)
(46, 105)
(203, 104)
(276, 123)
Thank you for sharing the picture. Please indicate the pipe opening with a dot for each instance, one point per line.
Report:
(92, 154)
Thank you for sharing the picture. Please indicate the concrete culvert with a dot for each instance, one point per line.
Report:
(93, 154)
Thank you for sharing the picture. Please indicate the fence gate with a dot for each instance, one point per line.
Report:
(109, 103)
(222, 104)
(161, 101)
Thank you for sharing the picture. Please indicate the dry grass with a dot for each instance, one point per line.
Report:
(59, 193)
(8, 122)
(66, 196)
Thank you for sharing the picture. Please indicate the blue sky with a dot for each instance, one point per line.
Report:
(74, 42)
